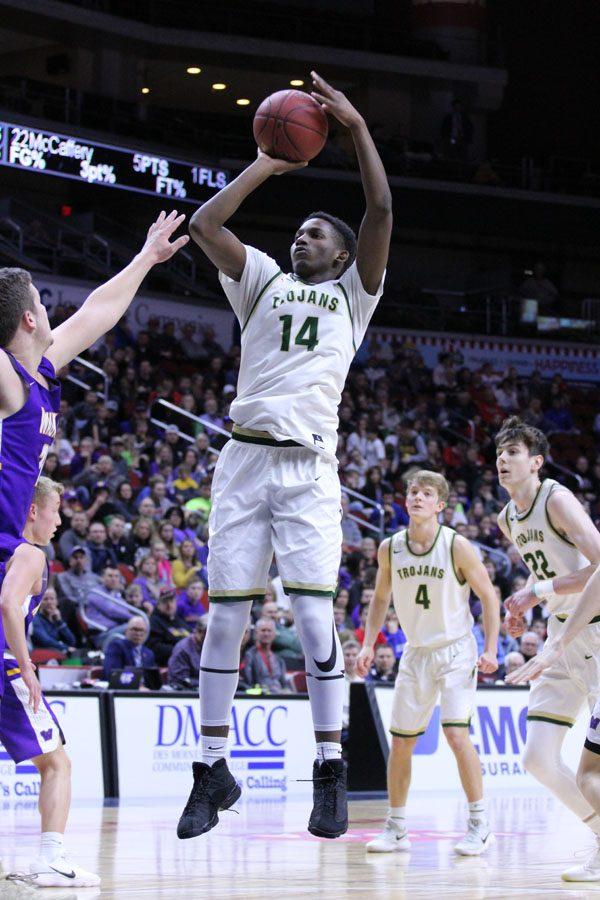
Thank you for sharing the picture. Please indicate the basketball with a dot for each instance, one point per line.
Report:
(290, 125)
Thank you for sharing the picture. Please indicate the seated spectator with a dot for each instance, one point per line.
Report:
(287, 643)
(125, 501)
(135, 597)
(142, 535)
(117, 543)
(360, 631)
(537, 286)
(187, 566)
(506, 643)
(538, 626)
(351, 650)
(48, 631)
(73, 585)
(102, 611)
(129, 652)
(384, 665)
(100, 555)
(529, 645)
(192, 604)
(261, 666)
(74, 536)
(166, 533)
(166, 627)
(395, 637)
(148, 580)
(343, 625)
(184, 664)
(164, 569)
(351, 535)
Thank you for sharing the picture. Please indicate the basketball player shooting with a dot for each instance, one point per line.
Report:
(275, 487)
(28, 727)
(560, 545)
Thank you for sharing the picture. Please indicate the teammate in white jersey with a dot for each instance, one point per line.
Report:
(275, 487)
(558, 542)
(429, 571)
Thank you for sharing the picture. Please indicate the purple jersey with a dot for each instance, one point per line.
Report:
(25, 438)
(31, 603)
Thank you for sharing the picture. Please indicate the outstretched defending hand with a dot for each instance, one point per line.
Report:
(334, 102)
(158, 248)
(538, 664)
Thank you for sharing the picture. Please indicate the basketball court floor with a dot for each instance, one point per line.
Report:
(264, 851)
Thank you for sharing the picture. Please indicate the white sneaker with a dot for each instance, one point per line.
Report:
(477, 839)
(390, 840)
(61, 873)
(589, 871)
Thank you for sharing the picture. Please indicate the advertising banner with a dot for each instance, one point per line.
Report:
(60, 291)
(79, 718)
(270, 744)
(498, 730)
(575, 362)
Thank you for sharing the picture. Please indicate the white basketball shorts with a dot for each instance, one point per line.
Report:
(270, 497)
(424, 675)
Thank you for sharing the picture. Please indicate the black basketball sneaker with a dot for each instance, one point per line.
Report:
(214, 789)
(329, 817)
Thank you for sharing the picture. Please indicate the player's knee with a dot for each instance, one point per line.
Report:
(457, 737)
(225, 623)
(587, 782)
(55, 762)
(403, 746)
(535, 760)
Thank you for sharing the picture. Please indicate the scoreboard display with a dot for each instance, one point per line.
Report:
(84, 160)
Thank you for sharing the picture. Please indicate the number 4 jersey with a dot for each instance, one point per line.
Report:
(25, 438)
(431, 602)
(298, 341)
(543, 549)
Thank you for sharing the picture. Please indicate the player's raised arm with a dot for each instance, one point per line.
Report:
(23, 575)
(377, 609)
(376, 228)
(109, 302)
(471, 568)
(221, 246)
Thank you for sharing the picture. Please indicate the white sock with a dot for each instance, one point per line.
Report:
(213, 748)
(328, 750)
(51, 845)
(397, 815)
(477, 811)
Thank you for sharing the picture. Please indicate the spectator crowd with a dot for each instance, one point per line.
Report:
(129, 564)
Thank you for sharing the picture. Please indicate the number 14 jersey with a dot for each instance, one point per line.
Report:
(431, 602)
(543, 549)
(298, 340)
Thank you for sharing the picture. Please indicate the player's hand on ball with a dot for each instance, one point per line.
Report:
(487, 662)
(538, 664)
(33, 686)
(334, 102)
(364, 661)
(519, 602)
(158, 246)
(516, 625)
(279, 166)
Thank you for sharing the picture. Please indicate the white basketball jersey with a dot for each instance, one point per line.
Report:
(545, 552)
(298, 341)
(431, 603)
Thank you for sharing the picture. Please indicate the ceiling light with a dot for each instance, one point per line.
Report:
(145, 90)
(243, 101)
(193, 70)
(297, 82)
(219, 86)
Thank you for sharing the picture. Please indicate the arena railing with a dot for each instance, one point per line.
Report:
(83, 384)
(373, 505)
(121, 604)
(496, 556)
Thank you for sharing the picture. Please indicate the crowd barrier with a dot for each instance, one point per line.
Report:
(134, 745)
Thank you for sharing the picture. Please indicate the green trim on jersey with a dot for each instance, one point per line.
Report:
(462, 583)
(343, 290)
(233, 597)
(464, 724)
(549, 717)
(255, 304)
(521, 517)
(427, 552)
(248, 436)
(312, 590)
(563, 618)
(406, 734)
(549, 521)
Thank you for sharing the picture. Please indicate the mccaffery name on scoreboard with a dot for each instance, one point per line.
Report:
(81, 159)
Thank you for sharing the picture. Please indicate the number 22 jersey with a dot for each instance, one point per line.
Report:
(298, 340)
(545, 552)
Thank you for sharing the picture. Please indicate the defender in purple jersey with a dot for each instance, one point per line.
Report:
(28, 727)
